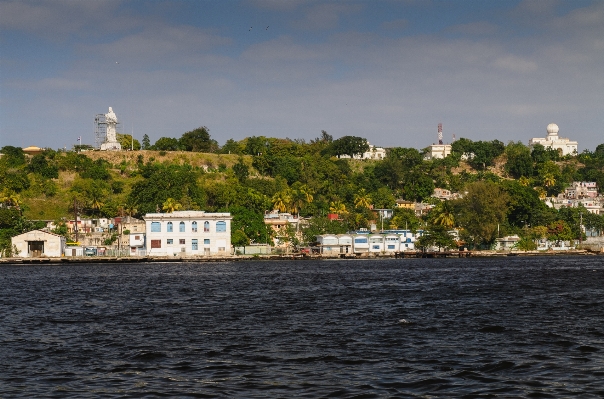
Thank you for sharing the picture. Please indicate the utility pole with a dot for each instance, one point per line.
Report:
(580, 228)
(75, 218)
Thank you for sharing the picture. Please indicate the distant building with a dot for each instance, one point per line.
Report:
(581, 190)
(401, 203)
(438, 151)
(563, 145)
(372, 153)
(188, 233)
(38, 243)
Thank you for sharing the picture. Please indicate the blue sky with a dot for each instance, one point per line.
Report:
(389, 71)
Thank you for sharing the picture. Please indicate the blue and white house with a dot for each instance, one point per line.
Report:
(188, 233)
(386, 242)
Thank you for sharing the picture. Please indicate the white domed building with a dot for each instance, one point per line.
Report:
(563, 145)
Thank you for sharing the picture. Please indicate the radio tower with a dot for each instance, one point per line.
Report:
(440, 133)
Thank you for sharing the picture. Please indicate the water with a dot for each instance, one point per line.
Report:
(519, 327)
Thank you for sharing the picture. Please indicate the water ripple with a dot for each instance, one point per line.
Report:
(345, 329)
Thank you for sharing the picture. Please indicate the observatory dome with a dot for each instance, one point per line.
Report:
(552, 129)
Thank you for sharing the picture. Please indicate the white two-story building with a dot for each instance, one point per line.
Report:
(188, 233)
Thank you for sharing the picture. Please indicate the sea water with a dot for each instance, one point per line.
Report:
(507, 327)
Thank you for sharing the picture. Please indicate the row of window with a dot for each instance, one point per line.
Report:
(156, 227)
(181, 241)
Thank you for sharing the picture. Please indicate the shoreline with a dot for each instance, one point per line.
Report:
(297, 257)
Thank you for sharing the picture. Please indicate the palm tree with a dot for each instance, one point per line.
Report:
(445, 216)
(282, 201)
(549, 180)
(337, 207)
(95, 199)
(130, 208)
(301, 197)
(170, 205)
(525, 181)
(10, 198)
(362, 200)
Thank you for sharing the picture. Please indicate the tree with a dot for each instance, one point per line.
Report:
(362, 200)
(146, 142)
(443, 215)
(482, 208)
(519, 161)
(127, 142)
(198, 140)
(241, 170)
(417, 186)
(348, 145)
(282, 200)
(250, 223)
(337, 207)
(39, 164)
(436, 236)
(232, 147)
(171, 205)
(166, 144)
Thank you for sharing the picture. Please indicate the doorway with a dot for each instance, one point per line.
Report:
(36, 248)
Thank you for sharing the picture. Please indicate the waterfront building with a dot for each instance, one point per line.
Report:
(38, 243)
(363, 242)
(188, 233)
(563, 145)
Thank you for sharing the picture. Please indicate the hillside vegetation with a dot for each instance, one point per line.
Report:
(502, 185)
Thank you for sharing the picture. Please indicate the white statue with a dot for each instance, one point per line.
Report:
(111, 138)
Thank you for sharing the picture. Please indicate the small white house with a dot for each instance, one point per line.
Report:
(38, 243)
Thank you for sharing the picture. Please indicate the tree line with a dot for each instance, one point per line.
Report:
(502, 186)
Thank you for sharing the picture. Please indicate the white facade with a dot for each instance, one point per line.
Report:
(188, 233)
(389, 242)
(562, 144)
(38, 243)
(438, 151)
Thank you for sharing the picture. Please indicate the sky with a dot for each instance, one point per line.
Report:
(388, 71)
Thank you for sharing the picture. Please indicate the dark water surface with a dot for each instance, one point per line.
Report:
(514, 327)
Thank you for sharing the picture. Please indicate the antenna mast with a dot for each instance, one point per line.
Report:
(440, 133)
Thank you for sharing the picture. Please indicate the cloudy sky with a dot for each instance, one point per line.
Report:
(389, 71)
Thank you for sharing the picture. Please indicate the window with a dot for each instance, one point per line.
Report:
(194, 227)
(376, 247)
(181, 227)
(155, 243)
(206, 227)
(206, 241)
(181, 241)
(390, 246)
(194, 244)
(170, 227)
(360, 240)
(169, 241)
(155, 227)
(220, 226)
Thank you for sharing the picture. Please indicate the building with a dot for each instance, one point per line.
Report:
(386, 242)
(38, 243)
(188, 233)
(563, 145)
(582, 190)
(372, 153)
(438, 151)
(401, 203)
(278, 222)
